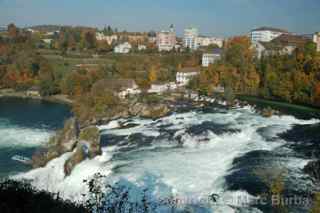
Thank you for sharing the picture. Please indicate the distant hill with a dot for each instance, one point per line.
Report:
(48, 28)
(51, 28)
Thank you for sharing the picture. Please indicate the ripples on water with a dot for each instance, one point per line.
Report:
(190, 155)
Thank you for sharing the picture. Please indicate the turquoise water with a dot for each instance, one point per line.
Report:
(26, 124)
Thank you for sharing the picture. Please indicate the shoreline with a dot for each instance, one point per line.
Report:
(279, 103)
(59, 99)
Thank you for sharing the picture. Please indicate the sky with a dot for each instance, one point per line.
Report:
(211, 17)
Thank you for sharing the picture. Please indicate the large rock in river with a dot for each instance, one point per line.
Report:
(88, 147)
(64, 141)
(149, 110)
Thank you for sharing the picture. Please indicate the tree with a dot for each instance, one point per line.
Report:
(310, 49)
(229, 94)
(153, 74)
(89, 39)
(47, 85)
(12, 31)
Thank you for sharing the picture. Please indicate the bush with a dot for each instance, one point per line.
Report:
(21, 197)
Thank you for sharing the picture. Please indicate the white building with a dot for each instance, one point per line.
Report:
(52, 33)
(47, 40)
(142, 47)
(266, 34)
(316, 39)
(108, 39)
(184, 75)
(190, 38)
(161, 88)
(204, 41)
(152, 40)
(166, 40)
(123, 48)
(210, 58)
(259, 48)
(31, 30)
(3, 28)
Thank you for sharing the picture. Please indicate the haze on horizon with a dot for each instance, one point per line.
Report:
(211, 17)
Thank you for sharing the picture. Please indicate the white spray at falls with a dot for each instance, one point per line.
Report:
(185, 155)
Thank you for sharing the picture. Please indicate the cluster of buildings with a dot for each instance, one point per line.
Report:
(270, 41)
(167, 40)
(193, 40)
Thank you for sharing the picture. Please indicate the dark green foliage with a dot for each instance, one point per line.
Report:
(21, 197)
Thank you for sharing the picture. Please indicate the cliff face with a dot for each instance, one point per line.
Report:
(83, 143)
(64, 141)
(88, 146)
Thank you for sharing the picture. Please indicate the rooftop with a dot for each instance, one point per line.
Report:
(270, 29)
(287, 39)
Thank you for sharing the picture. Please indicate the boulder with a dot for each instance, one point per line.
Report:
(268, 112)
(77, 157)
(135, 109)
(154, 111)
(313, 169)
(90, 138)
(87, 147)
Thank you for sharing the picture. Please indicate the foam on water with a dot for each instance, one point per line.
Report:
(16, 136)
(52, 177)
(197, 169)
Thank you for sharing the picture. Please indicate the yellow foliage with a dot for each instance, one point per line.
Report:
(316, 204)
(153, 74)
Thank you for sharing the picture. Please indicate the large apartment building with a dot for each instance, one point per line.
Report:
(166, 40)
(190, 39)
(266, 34)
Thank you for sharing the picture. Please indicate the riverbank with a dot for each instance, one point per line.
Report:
(61, 99)
(299, 110)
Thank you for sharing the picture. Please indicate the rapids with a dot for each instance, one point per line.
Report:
(190, 155)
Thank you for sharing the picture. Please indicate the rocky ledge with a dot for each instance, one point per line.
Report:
(135, 109)
(84, 143)
(88, 146)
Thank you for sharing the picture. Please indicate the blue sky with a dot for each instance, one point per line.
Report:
(212, 17)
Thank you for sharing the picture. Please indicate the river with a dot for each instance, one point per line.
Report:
(189, 155)
(26, 124)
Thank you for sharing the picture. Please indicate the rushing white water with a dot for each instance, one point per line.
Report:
(17, 136)
(186, 164)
